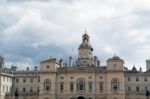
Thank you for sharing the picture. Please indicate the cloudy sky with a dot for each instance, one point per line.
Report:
(33, 30)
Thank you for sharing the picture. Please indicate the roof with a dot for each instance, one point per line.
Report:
(85, 46)
(85, 35)
(49, 60)
(115, 58)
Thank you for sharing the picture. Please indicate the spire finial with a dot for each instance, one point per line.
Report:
(85, 31)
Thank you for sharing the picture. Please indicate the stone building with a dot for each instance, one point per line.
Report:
(83, 79)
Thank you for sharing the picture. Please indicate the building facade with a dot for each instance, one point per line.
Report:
(83, 79)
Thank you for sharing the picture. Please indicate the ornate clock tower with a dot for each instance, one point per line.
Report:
(85, 52)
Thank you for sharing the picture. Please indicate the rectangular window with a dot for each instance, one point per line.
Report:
(6, 89)
(3, 88)
(24, 89)
(129, 78)
(71, 87)
(101, 86)
(90, 87)
(137, 78)
(31, 80)
(10, 89)
(146, 88)
(16, 89)
(31, 89)
(47, 87)
(17, 80)
(24, 80)
(61, 87)
(3, 78)
(137, 89)
(129, 89)
(145, 78)
(38, 89)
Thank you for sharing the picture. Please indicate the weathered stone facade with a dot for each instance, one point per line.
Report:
(83, 79)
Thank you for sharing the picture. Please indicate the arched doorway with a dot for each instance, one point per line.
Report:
(80, 97)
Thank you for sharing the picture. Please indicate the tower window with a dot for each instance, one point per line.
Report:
(47, 85)
(85, 40)
(115, 85)
(114, 66)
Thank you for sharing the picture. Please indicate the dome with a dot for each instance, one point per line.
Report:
(115, 58)
(85, 46)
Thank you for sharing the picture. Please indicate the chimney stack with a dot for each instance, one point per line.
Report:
(147, 64)
(70, 61)
(61, 63)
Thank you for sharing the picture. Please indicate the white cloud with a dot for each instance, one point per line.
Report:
(115, 26)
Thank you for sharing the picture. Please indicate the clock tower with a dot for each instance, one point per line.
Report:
(85, 52)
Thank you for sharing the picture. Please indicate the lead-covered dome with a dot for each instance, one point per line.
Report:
(85, 46)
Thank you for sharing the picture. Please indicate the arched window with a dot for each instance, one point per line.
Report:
(115, 84)
(80, 85)
(47, 85)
